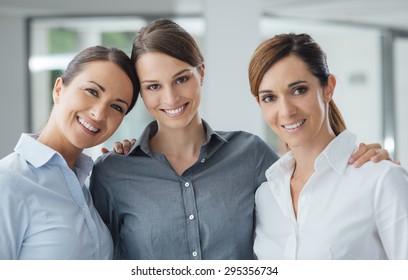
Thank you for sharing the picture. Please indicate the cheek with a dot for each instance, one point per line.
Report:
(114, 123)
(269, 115)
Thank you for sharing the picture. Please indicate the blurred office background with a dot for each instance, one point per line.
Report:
(366, 42)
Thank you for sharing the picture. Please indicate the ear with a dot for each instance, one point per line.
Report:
(57, 91)
(202, 72)
(329, 89)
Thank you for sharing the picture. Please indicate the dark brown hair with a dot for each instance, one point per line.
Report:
(166, 36)
(304, 47)
(100, 53)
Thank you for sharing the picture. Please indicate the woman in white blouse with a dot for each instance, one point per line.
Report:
(315, 205)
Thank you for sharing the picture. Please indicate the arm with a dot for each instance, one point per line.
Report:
(103, 199)
(370, 152)
(13, 216)
(391, 212)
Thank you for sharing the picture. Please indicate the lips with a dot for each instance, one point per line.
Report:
(175, 111)
(88, 125)
(294, 126)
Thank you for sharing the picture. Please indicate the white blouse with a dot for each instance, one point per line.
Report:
(343, 212)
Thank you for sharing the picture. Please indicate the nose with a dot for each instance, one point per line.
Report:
(170, 96)
(98, 111)
(286, 107)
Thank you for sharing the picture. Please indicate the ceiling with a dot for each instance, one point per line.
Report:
(389, 13)
(385, 13)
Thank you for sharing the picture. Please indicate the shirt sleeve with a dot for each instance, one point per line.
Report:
(14, 215)
(103, 199)
(391, 212)
(265, 157)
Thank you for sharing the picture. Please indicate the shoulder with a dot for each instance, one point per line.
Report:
(392, 173)
(243, 137)
(384, 176)
(11, 183)
(108, 159)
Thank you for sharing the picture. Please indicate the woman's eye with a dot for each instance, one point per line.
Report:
(182, 80)
(92, 91)
(153, 87)
(300, 91)
(117, 108)
(268, 99)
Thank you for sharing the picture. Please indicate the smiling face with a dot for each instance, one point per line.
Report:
(91, 107)
(295, 105)
(170, 89)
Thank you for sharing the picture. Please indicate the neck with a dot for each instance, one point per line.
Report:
(306, 154)
(52, 137)
(179, 141)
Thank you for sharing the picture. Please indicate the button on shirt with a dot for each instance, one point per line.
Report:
(343, 212)
(46, 211)
(206, 213)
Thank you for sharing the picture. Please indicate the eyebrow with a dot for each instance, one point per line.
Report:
(182, 71)
(175, 75)
(289, 86)
(103, 90)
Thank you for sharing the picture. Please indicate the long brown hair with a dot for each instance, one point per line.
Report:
(303, 46)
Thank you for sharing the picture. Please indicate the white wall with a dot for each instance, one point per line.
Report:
(13, 93)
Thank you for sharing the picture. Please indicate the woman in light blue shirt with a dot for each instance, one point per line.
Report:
(46, 212)
(315, 205)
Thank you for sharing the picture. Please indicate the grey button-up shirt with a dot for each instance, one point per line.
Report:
(206, 213)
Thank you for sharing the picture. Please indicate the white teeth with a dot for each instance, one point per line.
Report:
(87, 125)
(175, 111)
(293, 126)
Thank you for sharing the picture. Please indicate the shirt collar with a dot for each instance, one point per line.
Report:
(335, 156)
(151, 130)
(337, 153)
(33, 151)
(38, 154)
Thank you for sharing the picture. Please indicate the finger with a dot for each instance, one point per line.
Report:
(380, 154)
(374, 146)
(397, 162)
(104, 150)
(118, 147)
(126, 146)
(132, 141)
(367, 156)
(362, 149)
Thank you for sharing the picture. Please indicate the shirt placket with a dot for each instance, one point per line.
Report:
(83, 209)
(190, 211)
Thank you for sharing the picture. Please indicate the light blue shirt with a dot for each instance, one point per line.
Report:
(46, 212)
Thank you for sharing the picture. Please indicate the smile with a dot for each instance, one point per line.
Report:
(294, 126)
(87, 125)
(176, 111)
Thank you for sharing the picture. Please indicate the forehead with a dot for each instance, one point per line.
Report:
(110, 76)
(157, 63)
(286, 70)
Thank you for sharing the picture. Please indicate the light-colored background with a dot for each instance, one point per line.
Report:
(351, 31)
